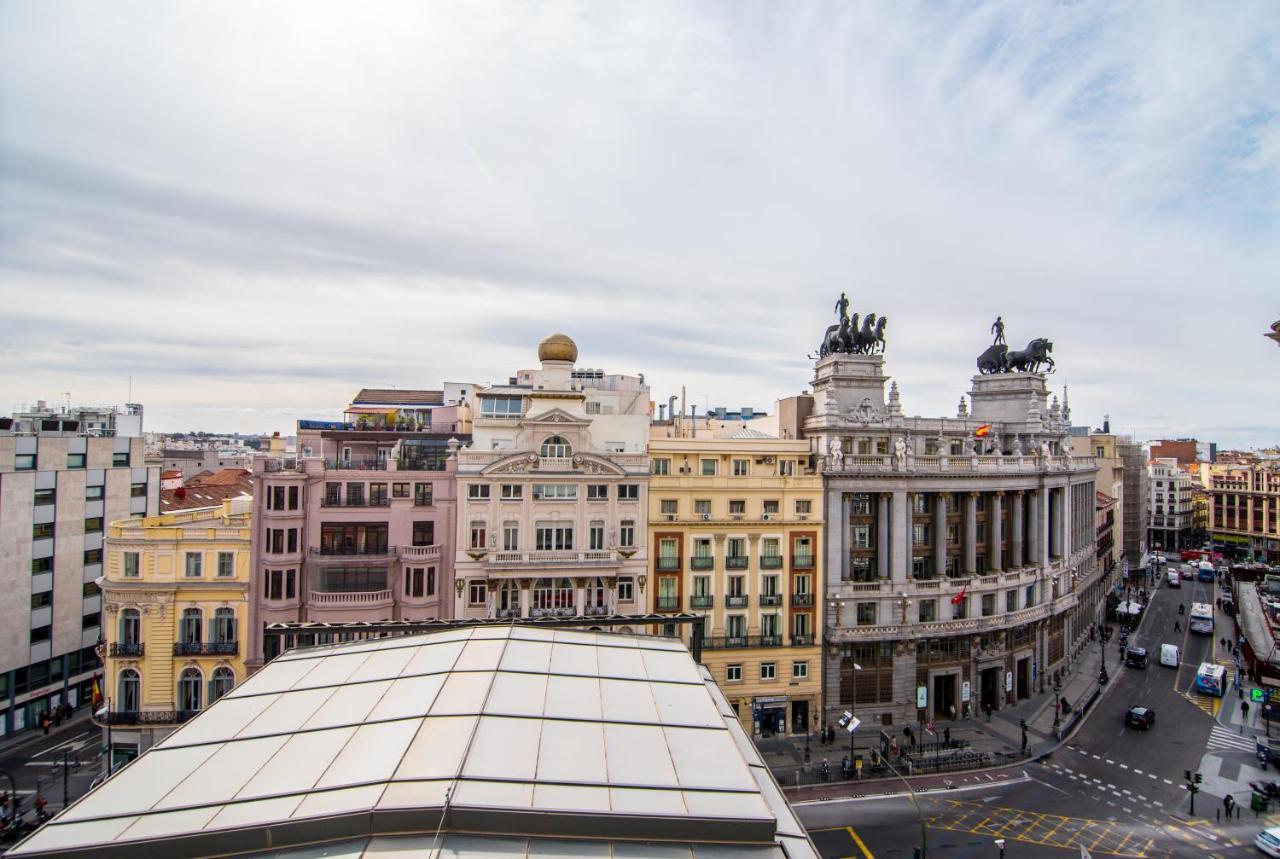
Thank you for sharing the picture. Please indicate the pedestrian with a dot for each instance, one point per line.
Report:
(1177, 627)
(988, 706)
(953, 712)
(946, 733)
(44, 722)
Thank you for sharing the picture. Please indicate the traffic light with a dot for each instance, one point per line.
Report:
(1022, 723)
(1186, 774)
(1199, 778)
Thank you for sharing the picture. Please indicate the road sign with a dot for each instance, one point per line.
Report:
(922, 697)
(844, 720)
(966, 692)
(853, 724)
(1258, 694)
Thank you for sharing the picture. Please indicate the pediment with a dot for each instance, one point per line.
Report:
(556, 417)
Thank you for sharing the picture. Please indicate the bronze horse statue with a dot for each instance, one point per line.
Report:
(999, 359)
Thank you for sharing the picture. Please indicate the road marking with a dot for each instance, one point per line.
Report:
(1110, 761)
(1138, 771)
(1097, 757)
(1166, 781)
(856, 840)
(1124, 766)
(1152, 776)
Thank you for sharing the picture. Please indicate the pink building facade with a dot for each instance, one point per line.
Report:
(361, 526)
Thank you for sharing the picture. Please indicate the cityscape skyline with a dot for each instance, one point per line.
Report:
(1096, 177)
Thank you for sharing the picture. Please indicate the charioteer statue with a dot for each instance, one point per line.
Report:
(998, 358)
(846, 338)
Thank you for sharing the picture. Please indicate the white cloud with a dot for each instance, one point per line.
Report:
(304, 198)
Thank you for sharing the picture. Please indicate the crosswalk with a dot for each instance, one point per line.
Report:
(1221, 738)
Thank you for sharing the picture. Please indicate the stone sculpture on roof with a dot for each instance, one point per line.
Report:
(999, 358)
(846, 338)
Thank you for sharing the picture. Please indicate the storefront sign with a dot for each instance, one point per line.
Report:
(1008, 681)
(922, 697)
(966, 692)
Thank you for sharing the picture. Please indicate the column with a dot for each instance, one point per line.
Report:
(1056, 522)
(940, 533)
(900, 535)
(835, 543)
(1034, 542)
(1045, 515)
(882, 535)
(579, 597)
(842, 572)
(1017, 531)
(971, 533)
(524, 597)
(997, 530)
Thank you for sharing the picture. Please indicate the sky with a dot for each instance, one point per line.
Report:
(239, 214)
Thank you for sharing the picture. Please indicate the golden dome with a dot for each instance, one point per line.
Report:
(558, 347)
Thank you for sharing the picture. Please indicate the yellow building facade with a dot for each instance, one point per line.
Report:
(735, 526)
(175, 619)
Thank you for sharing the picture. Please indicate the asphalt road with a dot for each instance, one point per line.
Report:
(39, 766)
(1112, 789)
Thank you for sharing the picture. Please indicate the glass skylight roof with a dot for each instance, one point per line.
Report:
(614, 739)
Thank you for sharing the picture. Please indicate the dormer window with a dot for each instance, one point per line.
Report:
(555, 446)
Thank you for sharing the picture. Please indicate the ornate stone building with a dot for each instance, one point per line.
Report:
(552, 493)
(960, 552)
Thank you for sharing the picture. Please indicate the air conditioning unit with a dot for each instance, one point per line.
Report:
(671, 517)
(760, 460)
(768, 516)
(684, 469)
(706, 517)
(770, 460)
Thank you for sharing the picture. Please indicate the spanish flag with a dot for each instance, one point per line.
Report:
(97, 691)
(983, 430)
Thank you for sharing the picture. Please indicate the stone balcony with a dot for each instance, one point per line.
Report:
(421, 553)
(875, 464)
(942, 628)
(556, 562)
(349, 599)
(972, 585)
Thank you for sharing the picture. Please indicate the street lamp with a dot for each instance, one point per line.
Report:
(853, 735)
(1057, 706)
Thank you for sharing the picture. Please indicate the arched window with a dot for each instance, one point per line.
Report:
(190, 697)
(128, 691)
(223, 679)
(224, 626)
(192, 628)
(130, 628)
(556, 446)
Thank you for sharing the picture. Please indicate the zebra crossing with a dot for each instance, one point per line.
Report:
(1225, 739)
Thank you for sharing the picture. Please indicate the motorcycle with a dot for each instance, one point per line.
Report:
(825, 771)
(1269, 789)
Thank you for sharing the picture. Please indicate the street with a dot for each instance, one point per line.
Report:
(1112, 789)
(39, 766)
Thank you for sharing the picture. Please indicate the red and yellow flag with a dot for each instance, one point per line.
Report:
(97, 691)
(985, 429)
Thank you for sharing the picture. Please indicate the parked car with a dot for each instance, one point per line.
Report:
(1268, 841)
(1188, 574)
(1140, 717)
(1136, 657)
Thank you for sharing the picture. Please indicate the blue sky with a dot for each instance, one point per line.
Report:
(255, 210)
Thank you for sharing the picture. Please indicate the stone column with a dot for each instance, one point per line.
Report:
(1017, 531)
(997, 530)
(971, 533)
(883, 551)
(842, 572)
(524, 597)
(835, 545)
(579, 596)
(1034, 540)
(940, 533)
(1045, 516)
(900, 536)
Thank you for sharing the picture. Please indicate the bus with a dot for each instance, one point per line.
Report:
(1205, 571)
(1201, 618)
(1211, 679)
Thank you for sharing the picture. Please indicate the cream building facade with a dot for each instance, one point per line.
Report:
(552, 493)
(175, 619)
(735, 526)
(1244, 509)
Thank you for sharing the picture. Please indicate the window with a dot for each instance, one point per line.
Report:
(860, 504)
(431, 581)
(424, 533)
(629, 492)
(128, 691)
(92, 493)
(595, 537)
(399, 490)
(138, 490)
(593, 408)
(415, 582)
(477, 592)
(708, 468)
(670, 506)
(1031, 597)
(479, 535)
(355, 494)
(93, 556)
(500, 408)
(920, 535)
(194, 564)
(41, 633)
(786, 467)
(41, 565)
(702, 507)
(44, 497)
(553, 537)
(130, 565)
(733, 673)
(130, 627)
(866, 614)
(737, 507)
(626, 590)
(768, 670)
(597, 491)
(555, 491)
(190, 698)
(42, 531)
(988, 605)
(24, 462)
(75, 460)
(119, 460)
(1011, 601)
(478, 491)
(862, 536)
(422, 494)
(928, 611)
(771, 507)
(191, 628)
(226, 564)
(627, 533)
(660, 466)
(275, 498)
(512, 491)
(803, 507)
(293, 498)
(741, 468)
(224, 626)
(510, 537)
(800, 670)
(223, 680)
(552, 594)
(556, 447)
(960, 610)
(378, 495)
(42, 600)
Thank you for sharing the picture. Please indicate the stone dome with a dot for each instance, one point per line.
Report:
(558, 347)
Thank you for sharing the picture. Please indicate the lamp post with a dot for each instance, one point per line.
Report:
(1057, 704)
(853, 735)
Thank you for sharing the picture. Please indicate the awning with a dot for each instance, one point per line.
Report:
(370, 410)
(776, 699)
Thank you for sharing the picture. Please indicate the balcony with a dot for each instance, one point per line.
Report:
(802, 600)
(702, 562)
(565, 611)
(348, 599)
(356, 502)
(356, 464)
(737, 601)
(702, 601)
(669, 565)
(667, 603)
(726, 642)
(592, 559)
(596, 611)
(126, 648)
(801, 640)
(802, 562)
(144, 717)
(206, 648)
(735, 562)
(505, 613)
(421, 553)
(771, 641)
(351, 551)
(771, 562)
(770, 600)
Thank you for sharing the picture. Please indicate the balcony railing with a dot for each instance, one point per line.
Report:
(126, 648)
(356, 502)
(802, 562)
(343, 551)
(702, 562)
(334, 599)
(801, 640)
(205, 648)
(552, 558)
(667, 603)
(356, 464)
(508, 612)
(801, 600)
(770, 562)
(702, 601)
(668, 564)
(771, 641)
(770, 599)
(737, 601)
(565, 611)
(144, 717)
(420, 553)
(596, 610)
(724, 642)
(735, 562)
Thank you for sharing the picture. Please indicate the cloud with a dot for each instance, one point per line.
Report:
(282, 204)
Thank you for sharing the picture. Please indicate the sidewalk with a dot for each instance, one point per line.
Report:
(36, 737)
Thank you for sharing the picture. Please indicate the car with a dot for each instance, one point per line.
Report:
(1188, 574)
(1140, 717)
(1268, 841)
(1136, 657)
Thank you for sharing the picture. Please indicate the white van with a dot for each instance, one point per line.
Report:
(1169, 655)
(1174, 580)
